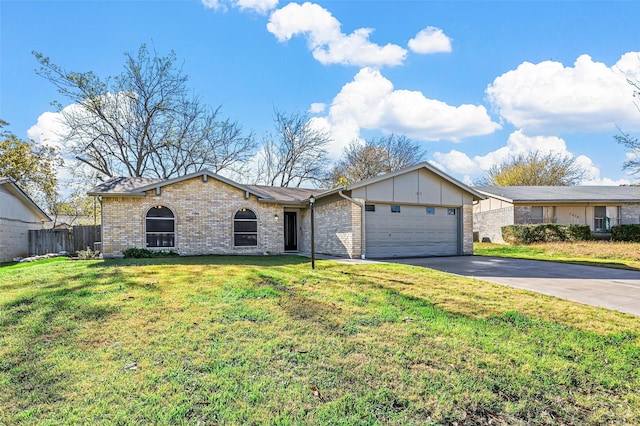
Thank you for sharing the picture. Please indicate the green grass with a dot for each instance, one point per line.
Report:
(267, 340)
(620, 255)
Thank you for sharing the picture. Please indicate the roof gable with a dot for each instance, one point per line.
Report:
(17, 192)
(424, 165)
(138, 186)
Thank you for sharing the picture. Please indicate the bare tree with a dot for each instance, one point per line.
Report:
(633, 145)
(535, 169)
(144, 122)
(630, 142)
(296, 154)
(374, 158)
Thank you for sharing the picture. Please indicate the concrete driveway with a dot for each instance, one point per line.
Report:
(605, 287)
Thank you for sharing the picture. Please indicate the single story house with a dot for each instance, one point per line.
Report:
(18, 215)
(600, 207)
(418, 211)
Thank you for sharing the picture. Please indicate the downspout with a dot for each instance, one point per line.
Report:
(362, 222)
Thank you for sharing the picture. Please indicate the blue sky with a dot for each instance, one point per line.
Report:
(473, 82)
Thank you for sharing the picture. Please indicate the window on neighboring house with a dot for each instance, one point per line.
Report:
(370, 207)
(451, 212)
(537, 214)
(431, 210)
(161, 227)
(245, 229)
(395, 209)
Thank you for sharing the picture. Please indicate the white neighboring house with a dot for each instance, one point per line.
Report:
(18, 215)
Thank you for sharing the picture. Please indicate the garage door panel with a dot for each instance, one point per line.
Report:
(412, 232)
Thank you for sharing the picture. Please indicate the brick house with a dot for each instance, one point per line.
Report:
(418, 211)
(18, 215)
(600, 207)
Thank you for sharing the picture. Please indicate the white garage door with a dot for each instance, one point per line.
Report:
(402, 231)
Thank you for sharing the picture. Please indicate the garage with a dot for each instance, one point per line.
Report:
(412, 230)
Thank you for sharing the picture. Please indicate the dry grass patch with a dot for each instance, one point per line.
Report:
(599, 253)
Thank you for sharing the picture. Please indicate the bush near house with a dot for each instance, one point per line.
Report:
(545, 232)
(629, 233)
(140, 253)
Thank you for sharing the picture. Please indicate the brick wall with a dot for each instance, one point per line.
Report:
(488, 224)
(14, 238)
(630, 213)
(204, 214)
(337, 229)
(467, 229)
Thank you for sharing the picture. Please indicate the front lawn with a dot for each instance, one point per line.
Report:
(267, 340)
(598, 253)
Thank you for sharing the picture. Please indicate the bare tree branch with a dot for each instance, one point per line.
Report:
(295, 155)
(145, 121)
(374, 158)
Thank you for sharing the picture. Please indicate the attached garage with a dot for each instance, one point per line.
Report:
(418, 211)
(411, 230)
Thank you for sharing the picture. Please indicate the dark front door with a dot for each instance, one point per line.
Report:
(290, 231)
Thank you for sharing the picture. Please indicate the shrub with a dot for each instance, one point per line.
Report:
(88, 254)
(578, 232)
(626, 233)
(546, 232)
(139, 253)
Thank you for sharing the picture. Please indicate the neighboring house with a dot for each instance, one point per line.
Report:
(600, 207)
(418, 211)
(18, 215)
(69, 221)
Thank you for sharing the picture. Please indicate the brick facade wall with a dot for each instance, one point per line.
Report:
(204, 214)
(337, 229)
(630, 213)
(467, 229)
(14, 238)
(488, 224)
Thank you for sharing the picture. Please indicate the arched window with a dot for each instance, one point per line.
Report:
(245, 228)
(161, 227)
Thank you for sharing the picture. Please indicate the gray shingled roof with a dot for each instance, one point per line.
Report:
(123, 185)
(563, 194)
(285, 194)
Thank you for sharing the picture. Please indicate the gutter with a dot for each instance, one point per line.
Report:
(362, 222)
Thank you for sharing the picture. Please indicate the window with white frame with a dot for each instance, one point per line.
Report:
(160, 227)
(245, 228)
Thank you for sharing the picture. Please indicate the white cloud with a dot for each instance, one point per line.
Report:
(371, 102)
(548, 98)
(325, 38)
(216, 5)
(317, 108)
(518, 143)
(48, 130)
(430, 40)
(259, 6)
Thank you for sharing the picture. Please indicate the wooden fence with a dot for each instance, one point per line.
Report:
(45, 241)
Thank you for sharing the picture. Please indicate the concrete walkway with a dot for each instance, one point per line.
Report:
(615, 289)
